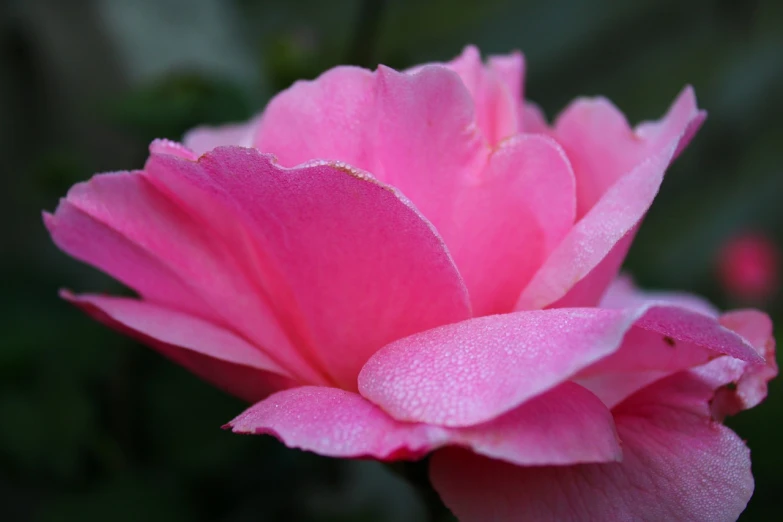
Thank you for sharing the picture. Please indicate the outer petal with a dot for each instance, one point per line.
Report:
(589, 257)
(499, 212)
(618, 173)
(204, 139)
(124, 225)
(470, 372)
(565, 426)
(649, 353)
(467, 373)
(215, 354)
(678, 464)
(603, 147)
(107, 222)
(742, 384)
(646, 356)
(623, 293)
(336, 423)
(349, 263)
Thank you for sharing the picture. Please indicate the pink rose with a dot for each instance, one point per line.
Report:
(749, 267)
(416, 262)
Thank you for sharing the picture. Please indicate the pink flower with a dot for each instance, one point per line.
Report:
(416, 262)
(749, 267)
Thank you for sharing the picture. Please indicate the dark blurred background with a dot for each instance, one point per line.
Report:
(95, 427)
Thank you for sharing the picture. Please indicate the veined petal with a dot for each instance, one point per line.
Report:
(349, 263)
(564, 426)
(618, 173)
(470, 372)
(213, 353)
(672, 450)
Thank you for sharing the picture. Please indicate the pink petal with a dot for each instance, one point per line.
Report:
(335, 423)
(213, 353)
(532, 119)
(331, 118)
(603, 147)
(466, 373)
(673, 334)
(495, 89)
(590, 255)
(618, 173)
(203, 139)
(509, 219)
(499, 212)
(348, 262)
(741, 384)
(414, 131)
(679, 341)
(94, 222)
(124, 225)
(692, 327)
(589, 290)
(510, 69)
(164, 146)
(614, 387)
(565, 425)
(623, 293)
(677, 464)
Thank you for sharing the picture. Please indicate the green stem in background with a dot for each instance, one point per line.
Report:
(365, 40)
(417, 474)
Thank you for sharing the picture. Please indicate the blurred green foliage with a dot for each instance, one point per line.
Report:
(180, 100)
(96, 427)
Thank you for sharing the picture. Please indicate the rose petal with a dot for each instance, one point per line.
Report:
(495, 91)
(603, 147)
(414, 131)
(673, 335)
(215, 354)
(564, 426)
(648, 355)
(590, 255)
(349, 262)
(618, 173)
(614, 388)
(677, 464)
(335, 423)
(466, 373)
(510, 68)
(623, 293)
(499, 214)
(532, 119)
(589, 290)
(124, 225)
(104, 222)
(743, 384)
(508, 220)
(203, 139)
